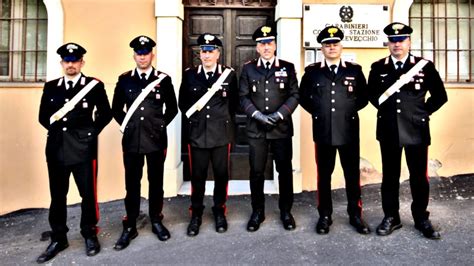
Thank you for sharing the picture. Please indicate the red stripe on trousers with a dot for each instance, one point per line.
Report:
(426, 174)
(317, 173)
(190, 173)
(94, 182)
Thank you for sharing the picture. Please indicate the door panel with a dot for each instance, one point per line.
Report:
(234, 26)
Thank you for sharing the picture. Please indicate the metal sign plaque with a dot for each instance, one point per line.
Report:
(362, 24)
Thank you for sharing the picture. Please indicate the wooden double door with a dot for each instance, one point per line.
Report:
(234, 26)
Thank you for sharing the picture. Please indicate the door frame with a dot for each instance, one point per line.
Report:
(169, 16)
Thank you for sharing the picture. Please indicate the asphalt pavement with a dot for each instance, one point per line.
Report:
(451, 207)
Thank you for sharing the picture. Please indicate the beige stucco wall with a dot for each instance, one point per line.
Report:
(105, 30)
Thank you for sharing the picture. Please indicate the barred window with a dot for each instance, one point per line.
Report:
(443, 32)
(23, 32)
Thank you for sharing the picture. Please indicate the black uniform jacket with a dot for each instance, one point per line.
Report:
(213, 125)
(146, 130)
(73, 138)
(404, 117)
(275, 90)
(333, 104)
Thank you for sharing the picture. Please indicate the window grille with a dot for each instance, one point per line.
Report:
(443, 33)
(23, 32)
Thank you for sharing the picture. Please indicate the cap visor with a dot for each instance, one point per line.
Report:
(333, 40)
(266, 41)
(142, 51)
(71, 58)
(208, 48)
(397, 38)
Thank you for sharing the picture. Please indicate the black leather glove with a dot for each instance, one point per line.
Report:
(274, 117)
(263, 119)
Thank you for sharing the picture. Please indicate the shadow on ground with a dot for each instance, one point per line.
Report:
(451, 207)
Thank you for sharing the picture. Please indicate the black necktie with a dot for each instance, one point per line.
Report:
(333, 71)
(69, 85)
(399, 65)
(209, 74)
(143, 76)
(267, 65)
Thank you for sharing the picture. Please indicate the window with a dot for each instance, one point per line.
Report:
(23, 28)
(443, 33)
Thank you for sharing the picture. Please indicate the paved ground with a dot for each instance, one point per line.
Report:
(451, 206)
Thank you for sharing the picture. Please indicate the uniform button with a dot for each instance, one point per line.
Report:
(315, 117)
(333, 100)
(64, 128)
(398, 101)
(423, 119)
(333, 109)
(89, 134)
(266, 81)
(398, 91)
(207, 116)
(266, 90)
(65, 119)
(266, 107)
(334, 84)
(66, 100)
(266, 99)
(194, 89)
(208, 107)
(142, 118)
(399, 111)
(333, 92)
(142, 108)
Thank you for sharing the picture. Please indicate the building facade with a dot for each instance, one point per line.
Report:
(28, 58)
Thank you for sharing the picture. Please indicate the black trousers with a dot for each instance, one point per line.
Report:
(85, 176)
(325, 162)
(133, 174)
(417, 162)
(199, 160)
(282, 154)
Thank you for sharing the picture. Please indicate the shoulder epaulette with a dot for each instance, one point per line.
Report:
(126, 73)
(351, 63)
(228, 67)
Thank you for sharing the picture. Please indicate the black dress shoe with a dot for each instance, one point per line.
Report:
(360, 225)
(256, 219)
(427, 229)
(92, 246)
(52, 250)
(127, 235)
(221, 222)
(388, 225)
(193, 227)
(288, 221)
(160, 230)
(322, 227)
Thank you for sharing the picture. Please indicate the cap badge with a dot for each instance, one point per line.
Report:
(332, 31)
(208, 38)
(71, 47)
(143, 40)
(266, 30)
(397, 27)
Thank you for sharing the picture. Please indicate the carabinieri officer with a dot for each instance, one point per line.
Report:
(74, 109)
(144, 135)
(399, 94)
(333, 91)
(210, 130)
(269, 95)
